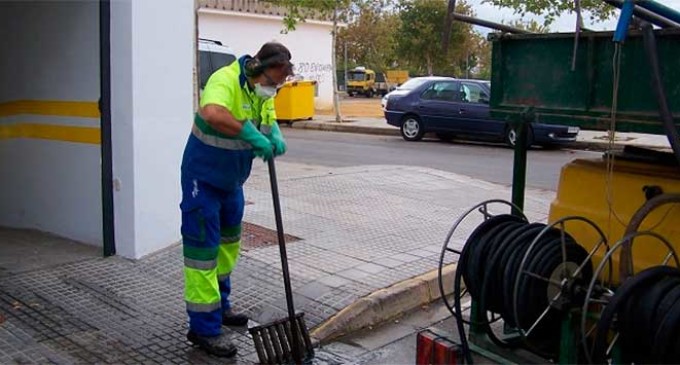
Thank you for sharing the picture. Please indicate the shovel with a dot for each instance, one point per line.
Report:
(287, 340)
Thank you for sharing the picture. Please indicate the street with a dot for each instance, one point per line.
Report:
(490, 162)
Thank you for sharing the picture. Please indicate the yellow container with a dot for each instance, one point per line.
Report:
(583, 191)
(295, 101)
(397, 76)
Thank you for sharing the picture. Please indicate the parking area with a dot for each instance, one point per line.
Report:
(354, 107)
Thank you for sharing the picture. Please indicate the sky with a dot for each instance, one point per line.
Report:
(565, 23)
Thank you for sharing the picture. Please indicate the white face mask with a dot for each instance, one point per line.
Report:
(265, 91)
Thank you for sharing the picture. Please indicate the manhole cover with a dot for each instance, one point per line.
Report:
(255, 236)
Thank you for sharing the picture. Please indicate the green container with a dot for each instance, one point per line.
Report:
(535, 70)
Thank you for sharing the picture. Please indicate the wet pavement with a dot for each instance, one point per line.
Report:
(359, 228)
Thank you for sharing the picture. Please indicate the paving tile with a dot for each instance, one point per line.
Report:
(355, 274)
(421, 253)
(361, 228)
(334, 281)
(314, 290)
(388, 262)
(404, 257)
(370, 268)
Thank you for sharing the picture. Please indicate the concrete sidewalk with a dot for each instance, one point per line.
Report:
(360, 229)
(586, 140)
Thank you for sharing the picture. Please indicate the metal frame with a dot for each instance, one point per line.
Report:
(479, 341)
(482, 208)
(108, 223)
(628, 240)
(567, 277)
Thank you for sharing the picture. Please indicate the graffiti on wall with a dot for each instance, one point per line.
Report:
(319, 72)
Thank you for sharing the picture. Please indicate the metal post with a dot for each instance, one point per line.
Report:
(647, 15)
(345, 66)
(519, 171)
(295, 331)
(568, 345)
(660, 9)
(108, 226)
(488, 24)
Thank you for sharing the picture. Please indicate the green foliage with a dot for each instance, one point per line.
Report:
(370, 39)
(398, 34)
(478, 65)
(346, 10)
(529, 25)
(419, 38)
(551, 9)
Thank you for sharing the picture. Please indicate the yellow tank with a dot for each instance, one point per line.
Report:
(295, 100)
(397, 76)
(582, 191)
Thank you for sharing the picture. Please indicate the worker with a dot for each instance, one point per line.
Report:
(235, 123)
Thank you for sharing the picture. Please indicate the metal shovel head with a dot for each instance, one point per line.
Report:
(274, 341)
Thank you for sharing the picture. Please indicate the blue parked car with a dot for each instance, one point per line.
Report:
(454, 108)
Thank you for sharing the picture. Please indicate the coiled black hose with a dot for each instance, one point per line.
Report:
(463, 264)
(645, 311)
(489, 266)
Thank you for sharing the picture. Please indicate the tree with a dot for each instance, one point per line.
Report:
(478, 63)
(370, 39)
(551, 9)
(420, 32)
(530, 25)
(338, 11)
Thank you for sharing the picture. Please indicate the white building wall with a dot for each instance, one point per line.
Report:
(152, 97)
(50, 52)
(122, 130)
(310, 44)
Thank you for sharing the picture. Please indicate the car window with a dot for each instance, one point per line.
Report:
(204, 67)
(356, 76)
(412, 84)
(442, 91)
(472, 93)
(220, 60)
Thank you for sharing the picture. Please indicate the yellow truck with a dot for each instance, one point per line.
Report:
(363, 81)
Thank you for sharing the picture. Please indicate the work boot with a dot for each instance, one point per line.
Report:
(229, 318)
(219, 345)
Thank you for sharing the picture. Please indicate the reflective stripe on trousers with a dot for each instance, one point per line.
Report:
(211, 232)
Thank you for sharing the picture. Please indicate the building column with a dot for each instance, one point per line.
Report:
(152, 46)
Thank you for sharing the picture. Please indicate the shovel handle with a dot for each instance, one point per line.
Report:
(284, 262)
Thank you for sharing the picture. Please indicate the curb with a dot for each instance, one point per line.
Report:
(336, 127)
(595, 146)
(385, 304)
(349, 128)
(604, 146)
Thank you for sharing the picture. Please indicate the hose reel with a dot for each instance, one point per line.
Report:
(536, 278)
(641, 317)
(527, 274)
(637, 321)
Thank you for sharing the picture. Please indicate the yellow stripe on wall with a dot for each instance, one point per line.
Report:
(83, 109)
(90, 135)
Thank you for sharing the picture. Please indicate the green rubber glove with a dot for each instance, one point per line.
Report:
(261, 145)
(276, 138)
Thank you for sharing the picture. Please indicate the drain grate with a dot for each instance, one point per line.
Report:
(255, 236)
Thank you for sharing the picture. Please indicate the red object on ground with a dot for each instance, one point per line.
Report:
(434, 349)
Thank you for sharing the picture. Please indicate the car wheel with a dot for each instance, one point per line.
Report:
(446, 137)
(350, 95)
(412, 128)
(511, 137)
(369, 94)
